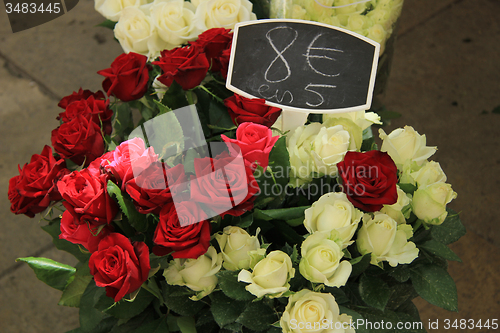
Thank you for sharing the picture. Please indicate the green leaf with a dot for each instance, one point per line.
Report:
(136, 219)
(450, 230)
(125, 309)
(177, 299)
(224, 309)
(260, 8)
(72, 294)
(401, 273)
(123, 122)
(436, 286)
(186, 324)
(285, 214)
(218, 115)
(400, 293)
(191, 154)
(107, 24)
(360, 264)
(439, 249)
(408, 188)
(374, 291)
(157, 326)
(228, 282)
(54, 230)
(51, 272)
(175, 97)
(91, 319)
(257, 316)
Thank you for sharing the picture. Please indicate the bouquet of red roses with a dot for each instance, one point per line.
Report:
(190, 210)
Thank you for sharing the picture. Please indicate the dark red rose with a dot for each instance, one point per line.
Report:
(369, 179)
(224, 62)
(127, 79)
(183, 229)
(255, 142)
(242, 109)
(213, 42)
(154, 187)
(119, 265)
(129, 159)
(79, 140)
(187, 66)
(33, 190)
(81, 94)
(224, 184)
(87, 234)
(86, 197)
(95, 109)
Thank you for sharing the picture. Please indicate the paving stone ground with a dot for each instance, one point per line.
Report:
(444, 82)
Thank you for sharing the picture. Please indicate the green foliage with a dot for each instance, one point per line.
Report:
(257, 316)
(374, 291)
(177, 299)
(136, 219)
(224, 309)
(228, 283)
(450, 230)
(436, 286)
(107, 24)
(439, 249)
(73, 292)
(51, 272)
(124, 309)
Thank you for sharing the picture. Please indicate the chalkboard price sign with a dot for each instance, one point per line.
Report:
(303, 66)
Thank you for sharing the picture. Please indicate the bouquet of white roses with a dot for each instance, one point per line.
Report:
(189, 210)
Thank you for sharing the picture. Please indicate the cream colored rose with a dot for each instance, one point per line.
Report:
(112, 9)
(196, 274)
(358, 23)
(430, 173)
(378, 34)
(316, 148)
(136, 33)
(381, 236)
(429, 202)
(333, 211)
(321, 261)
(173, 20)
(159, 88)
(404, 144)
(401, 210)
(345, 9)
(270, 276)
(308, 312)
(236, 244)
(223, 13)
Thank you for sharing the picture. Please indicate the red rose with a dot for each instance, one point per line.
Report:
(95, 109)
(79, 140)
(127, 79)
(224, 184)
(369, 179)
(130, 158)
(87, 234)
(184, 229)
(242, 109)
(255, 142)
(188, 66)
(86, 197)
(154, 187)
(35, 187)
(119, 265)
(224, 62)
(213, 42)
(76, 96)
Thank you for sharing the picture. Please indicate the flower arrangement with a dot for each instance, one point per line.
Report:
(189, 209)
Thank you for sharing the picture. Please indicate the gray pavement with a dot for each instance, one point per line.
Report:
(445, 82)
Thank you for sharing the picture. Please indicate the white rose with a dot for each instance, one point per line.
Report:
(347, 9)
(378, 34)
(321, 263)
(236, 244)
(316, 148)
(429, 202)
(361, 119)
(401, 210)
(385, 240)
(196, 274)
(357, 22)
(136, 33)
(112, 9)
(430, 173)
(380, 16)
(173, 20)
(333, 211)
(270, 276)
(223, 13)
(308, 312)
(404, 144)
(159, 88)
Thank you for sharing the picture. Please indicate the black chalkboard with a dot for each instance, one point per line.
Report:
(303, 65)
